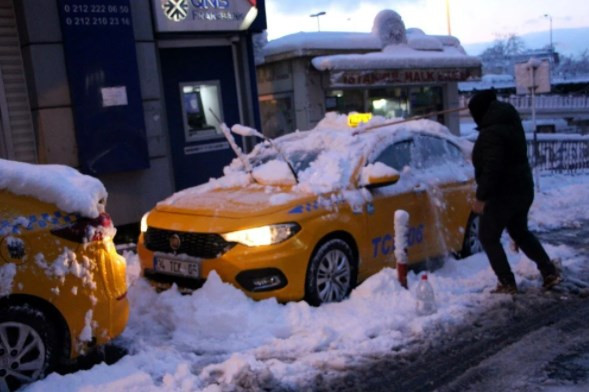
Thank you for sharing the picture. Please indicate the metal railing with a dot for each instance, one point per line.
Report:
(543, 102)
(549, 102)
(562, 155)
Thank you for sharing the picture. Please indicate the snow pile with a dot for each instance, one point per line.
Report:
(63, 186)
(274, 172)
(326, 159)
(376, 170)
(67, 264)
(219, 339)
(562, 200)
(7, 273)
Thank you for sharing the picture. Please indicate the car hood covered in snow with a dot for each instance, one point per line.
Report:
(233, 202)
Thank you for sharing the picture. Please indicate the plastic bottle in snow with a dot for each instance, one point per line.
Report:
(425, 300)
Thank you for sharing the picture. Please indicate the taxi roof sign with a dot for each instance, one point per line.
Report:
(355, 119)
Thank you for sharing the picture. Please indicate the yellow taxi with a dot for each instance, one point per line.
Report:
(310, 214)
(62, 284)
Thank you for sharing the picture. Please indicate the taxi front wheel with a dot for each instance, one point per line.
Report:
(331, 274)
(27, 346)
(471, 244)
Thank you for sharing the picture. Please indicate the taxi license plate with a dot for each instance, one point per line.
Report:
(169, 265)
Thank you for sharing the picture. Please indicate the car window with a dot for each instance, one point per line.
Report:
(431, 151)
(396, 155)
(455, 153)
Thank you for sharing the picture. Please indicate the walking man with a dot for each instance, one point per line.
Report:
(505, 189)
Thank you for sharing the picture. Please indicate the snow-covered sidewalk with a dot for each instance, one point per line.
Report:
(217, 338)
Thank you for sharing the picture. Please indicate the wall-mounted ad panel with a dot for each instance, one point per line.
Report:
(103, 76)
(201, 109)
(204, 15)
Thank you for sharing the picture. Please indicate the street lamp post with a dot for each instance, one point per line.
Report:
(317, 15)
(550, 18)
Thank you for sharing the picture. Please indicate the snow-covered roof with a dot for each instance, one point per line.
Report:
(63, 186)
(302, 42)
(388, 46)
(398, 57)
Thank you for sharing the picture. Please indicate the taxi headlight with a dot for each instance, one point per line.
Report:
(143, 226)
(263, 235)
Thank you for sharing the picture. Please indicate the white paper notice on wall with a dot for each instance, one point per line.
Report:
(114, 96)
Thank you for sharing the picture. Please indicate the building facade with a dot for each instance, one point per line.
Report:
(129, 91)
(392, 71)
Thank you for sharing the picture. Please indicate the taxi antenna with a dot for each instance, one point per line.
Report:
(227, 133)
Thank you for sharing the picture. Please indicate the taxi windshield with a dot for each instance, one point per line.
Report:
(299, 159)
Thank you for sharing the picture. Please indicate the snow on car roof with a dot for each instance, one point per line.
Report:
(336, 150)
(63, 186)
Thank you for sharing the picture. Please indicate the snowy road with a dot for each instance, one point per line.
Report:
(537, 342)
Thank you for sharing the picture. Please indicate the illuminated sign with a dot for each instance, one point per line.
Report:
(204, 15)
(354, 119)
(392, 76)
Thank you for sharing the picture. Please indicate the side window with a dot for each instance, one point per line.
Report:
(432, 151)
(456, 154)
(397, 155)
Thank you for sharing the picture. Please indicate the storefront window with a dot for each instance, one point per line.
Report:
(425, 100)
(201, 109)
(345, 101)
(277, 115)
(389, 102)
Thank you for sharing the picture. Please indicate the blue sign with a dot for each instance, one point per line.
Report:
(101, 63)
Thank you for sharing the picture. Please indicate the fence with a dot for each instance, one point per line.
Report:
(544, 102)
(560, 153)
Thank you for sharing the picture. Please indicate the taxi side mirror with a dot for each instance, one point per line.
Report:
(378, 175)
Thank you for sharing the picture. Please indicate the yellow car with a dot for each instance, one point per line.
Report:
(311, 214)
(62, 283)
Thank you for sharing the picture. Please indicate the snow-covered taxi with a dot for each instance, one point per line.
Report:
(62, 284)
(311, 213)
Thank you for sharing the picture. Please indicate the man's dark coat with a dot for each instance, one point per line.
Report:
(500, 156)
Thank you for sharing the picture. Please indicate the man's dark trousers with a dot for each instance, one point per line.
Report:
(511, 214)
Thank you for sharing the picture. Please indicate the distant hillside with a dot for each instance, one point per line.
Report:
(569, 42)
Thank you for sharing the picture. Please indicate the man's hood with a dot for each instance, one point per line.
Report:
(499, 113)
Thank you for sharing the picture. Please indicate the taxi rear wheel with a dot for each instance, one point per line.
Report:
(471, 244)
(27, 346)
(331, 274)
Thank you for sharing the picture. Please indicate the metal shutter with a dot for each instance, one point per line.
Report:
(17, 136)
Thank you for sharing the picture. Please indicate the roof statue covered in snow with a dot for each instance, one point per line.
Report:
(389, 28)
(388, 46)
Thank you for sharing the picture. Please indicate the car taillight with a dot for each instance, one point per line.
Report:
(86, 230)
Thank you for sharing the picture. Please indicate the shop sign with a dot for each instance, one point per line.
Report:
(204, 15)
(401, 76)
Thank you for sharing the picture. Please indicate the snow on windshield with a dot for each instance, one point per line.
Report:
(63, 186)
(326, 159)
